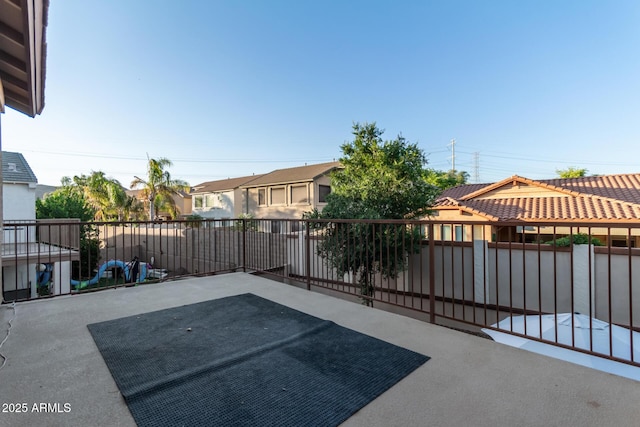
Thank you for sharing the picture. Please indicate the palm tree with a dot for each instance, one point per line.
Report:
(105, 195)
(159, 187)
(133, 209)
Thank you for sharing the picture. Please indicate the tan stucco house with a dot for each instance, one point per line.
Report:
(288, 193)
(593, 200)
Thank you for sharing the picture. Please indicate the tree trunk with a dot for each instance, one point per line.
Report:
(151, 211)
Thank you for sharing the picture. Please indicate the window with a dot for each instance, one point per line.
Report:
(213, 200)
(299, 194)
(459, 234)
(323, 192)
(262, 196)
(445, 232)
(197, 201)
(278, 196)
(621, 243)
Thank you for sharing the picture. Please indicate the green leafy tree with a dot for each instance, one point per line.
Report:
(444, 180)
(64, 202)
(571, 172)
(380, 180)
(158, 188)
(69, 201)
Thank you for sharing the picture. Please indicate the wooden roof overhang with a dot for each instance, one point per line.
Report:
(23, 51)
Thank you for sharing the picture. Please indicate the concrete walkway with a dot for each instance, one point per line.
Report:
(469, 381)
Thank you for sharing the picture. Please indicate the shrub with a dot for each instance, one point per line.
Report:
(578, 239)
(251, 224)
(194, 221)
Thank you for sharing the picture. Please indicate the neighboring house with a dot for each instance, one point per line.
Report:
(24, 258)
(220, 199)
(18, 187)
(183, 201)
(594, 200)
(288, 193)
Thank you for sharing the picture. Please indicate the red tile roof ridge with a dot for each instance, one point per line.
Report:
(519, 179)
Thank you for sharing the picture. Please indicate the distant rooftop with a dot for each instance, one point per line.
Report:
(222, 184)
(296, 174)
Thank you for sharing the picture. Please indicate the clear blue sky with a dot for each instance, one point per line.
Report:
(231, 88)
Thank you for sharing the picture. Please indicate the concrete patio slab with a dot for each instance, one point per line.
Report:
(52, 360)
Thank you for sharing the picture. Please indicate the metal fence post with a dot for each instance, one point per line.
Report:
(307, 255)
(432, 276)
(244, 245)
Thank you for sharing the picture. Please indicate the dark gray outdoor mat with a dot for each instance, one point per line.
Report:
(245, 361)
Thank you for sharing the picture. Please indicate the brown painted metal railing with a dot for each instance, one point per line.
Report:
(474, 273)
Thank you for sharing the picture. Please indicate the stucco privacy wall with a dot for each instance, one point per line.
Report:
(193, 250)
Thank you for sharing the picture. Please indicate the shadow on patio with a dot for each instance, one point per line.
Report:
(52, 358)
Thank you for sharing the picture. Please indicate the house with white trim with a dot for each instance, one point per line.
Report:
(221, 199)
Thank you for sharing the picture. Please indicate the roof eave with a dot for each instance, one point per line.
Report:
(467, 209)
(272, 183)
(27, 73)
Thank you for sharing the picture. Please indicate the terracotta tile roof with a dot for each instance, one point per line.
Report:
(290, 175)
(223, 184)
(554, 208)
(602, 198)
(620, 187)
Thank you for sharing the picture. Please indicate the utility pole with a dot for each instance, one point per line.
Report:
(453, 154)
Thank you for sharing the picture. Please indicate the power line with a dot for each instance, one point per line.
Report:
(182, 160)
(547, 160)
